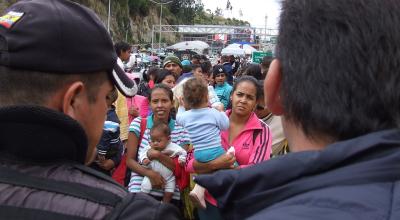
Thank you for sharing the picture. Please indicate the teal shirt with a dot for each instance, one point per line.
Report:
(224, 92)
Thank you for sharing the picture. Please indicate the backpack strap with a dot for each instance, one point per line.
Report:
(97, 174)
(116, 212)
(143, 125)
(96, 195)
(127, 172)
(12, 212)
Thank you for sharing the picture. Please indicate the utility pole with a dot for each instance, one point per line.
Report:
(266, 19)
(265, 33)
(161, 6)
(109, 15)
(152, 39)
(159, 39)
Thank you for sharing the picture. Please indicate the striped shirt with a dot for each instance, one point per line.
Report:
(110, 144)
(179, 136)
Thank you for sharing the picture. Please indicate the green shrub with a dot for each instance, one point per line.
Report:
(140, 7)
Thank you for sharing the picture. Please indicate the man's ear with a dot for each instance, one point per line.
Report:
(73, 98)
(272, 87)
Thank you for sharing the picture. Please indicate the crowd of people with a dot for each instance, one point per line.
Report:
(312, 133)
(213, 114)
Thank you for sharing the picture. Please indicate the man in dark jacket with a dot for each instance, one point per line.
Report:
(335, 82)
(57, 67)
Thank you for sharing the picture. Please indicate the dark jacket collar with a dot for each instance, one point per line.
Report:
(365, 159)
(41, 135)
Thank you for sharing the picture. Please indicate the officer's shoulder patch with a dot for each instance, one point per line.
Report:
(9, 19)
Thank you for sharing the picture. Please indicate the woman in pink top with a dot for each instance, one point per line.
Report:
(250, 137)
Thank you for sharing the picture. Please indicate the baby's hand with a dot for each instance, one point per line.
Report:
(219, 107)
(168, 152)
(134, 111)
(182, 160)
(146, 162)
(153, 154)
(101, 158)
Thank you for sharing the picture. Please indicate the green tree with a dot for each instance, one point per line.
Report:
(186, 10)
(140, 7)
(218, 11)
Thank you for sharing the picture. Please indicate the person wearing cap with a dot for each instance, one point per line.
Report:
(57, 67)
(186, 66)
(187, 70)
(173, 64)
(221, 87)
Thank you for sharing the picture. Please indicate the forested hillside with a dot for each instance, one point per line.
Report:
(132, 20)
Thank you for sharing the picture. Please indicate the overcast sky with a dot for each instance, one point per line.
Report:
(253, 11)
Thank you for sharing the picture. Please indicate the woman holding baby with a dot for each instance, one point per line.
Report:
(160, 100)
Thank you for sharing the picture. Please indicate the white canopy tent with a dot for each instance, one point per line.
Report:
(233, 51)
(198, 46)
(238, 49)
